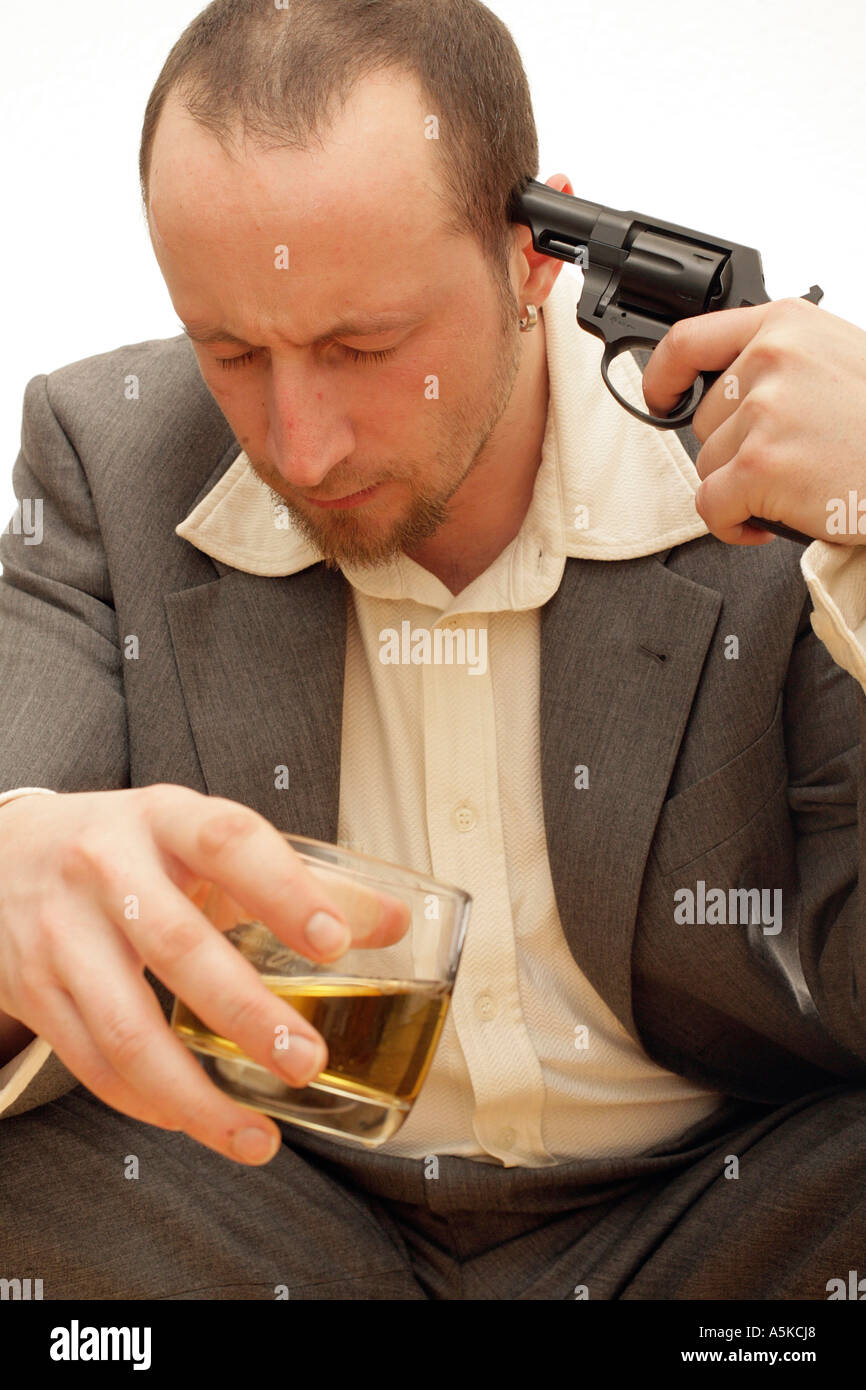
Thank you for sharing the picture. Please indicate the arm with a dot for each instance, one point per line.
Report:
(62, 708)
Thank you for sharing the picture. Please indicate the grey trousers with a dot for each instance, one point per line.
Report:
(754, 1203)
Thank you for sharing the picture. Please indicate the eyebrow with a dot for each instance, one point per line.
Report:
(360, 326)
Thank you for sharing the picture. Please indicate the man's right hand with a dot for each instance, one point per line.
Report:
(72, 962)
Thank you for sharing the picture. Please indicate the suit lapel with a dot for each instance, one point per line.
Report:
(261, 662)
(622, 649)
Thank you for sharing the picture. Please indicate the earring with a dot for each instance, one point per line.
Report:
(531, 319)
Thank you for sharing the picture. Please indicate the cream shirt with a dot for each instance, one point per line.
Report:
(440, 770)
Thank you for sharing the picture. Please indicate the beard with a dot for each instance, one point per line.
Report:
(352, 537)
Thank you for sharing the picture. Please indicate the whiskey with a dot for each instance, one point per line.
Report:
(381, 1037)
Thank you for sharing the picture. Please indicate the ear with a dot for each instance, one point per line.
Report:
(538, 272)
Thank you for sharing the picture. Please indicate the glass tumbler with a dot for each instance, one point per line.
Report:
(380, 1010)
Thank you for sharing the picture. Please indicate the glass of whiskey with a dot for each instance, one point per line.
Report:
(380, 1010)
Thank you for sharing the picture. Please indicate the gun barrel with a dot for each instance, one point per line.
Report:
(561, 224)
(652, 268)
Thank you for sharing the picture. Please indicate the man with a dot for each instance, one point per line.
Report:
(380, 413)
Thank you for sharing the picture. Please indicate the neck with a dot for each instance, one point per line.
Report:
(488, 509)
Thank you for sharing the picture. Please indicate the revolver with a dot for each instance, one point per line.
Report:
(640, 276)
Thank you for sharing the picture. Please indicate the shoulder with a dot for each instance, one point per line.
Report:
(138, 416)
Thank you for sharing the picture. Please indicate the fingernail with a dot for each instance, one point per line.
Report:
(302, 1060)
(255, 1145)
(326, 935)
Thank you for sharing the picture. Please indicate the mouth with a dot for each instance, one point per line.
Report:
(354, 499)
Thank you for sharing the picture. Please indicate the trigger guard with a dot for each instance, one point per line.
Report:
(685, 407)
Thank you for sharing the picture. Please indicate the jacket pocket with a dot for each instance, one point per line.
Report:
(711, 811)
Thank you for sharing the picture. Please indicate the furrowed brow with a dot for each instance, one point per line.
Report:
(360, 326)
(212, 335)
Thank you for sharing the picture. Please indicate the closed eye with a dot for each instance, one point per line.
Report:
(228, 363)
(381, 356)
(364, 358)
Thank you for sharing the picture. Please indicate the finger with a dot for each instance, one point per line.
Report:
(719, 501)
(722, 502)
(722, 401)
(377, 919)
(722, 444)
(706, 343)
(202, 968)
(126, 1026)
(233, 846)
(63, 1028)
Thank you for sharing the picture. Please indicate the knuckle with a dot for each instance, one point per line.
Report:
(758, 405)
(162, 791)
(248, 1016)
(125, 1040)
(33, 982)
(154, 795)
(279, 888)
(104, 1083)
(792, 306)
(679, 335)
(83, 858)
(158, 796)
(225, 828)
(752, 459)
(48, 926)
(175, 940)
(199, 1105)
(768, 350)
(102, 1079)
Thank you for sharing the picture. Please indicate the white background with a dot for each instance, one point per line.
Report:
(743, 120)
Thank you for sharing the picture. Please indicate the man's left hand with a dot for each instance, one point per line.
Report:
(783, 429)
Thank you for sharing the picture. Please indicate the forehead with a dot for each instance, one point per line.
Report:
(361, 199)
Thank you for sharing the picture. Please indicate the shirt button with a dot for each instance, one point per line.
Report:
(485, 1006)
(465, 817)
(507, 1138)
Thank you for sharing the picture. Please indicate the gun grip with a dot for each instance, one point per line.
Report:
(760, 523)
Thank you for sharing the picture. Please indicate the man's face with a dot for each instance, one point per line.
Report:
(278, 248)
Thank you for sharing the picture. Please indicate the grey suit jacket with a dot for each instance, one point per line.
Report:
(733, 773)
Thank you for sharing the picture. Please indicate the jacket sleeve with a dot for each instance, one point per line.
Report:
(62, 707)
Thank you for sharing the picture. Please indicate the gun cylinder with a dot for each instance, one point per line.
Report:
(668, 276)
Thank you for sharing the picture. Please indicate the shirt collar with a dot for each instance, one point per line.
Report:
(609, 487)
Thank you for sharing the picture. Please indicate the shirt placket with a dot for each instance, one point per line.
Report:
(467, 849)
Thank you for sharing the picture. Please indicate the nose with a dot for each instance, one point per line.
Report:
(308, 427)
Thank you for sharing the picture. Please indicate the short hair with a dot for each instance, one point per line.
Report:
(279, 70)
